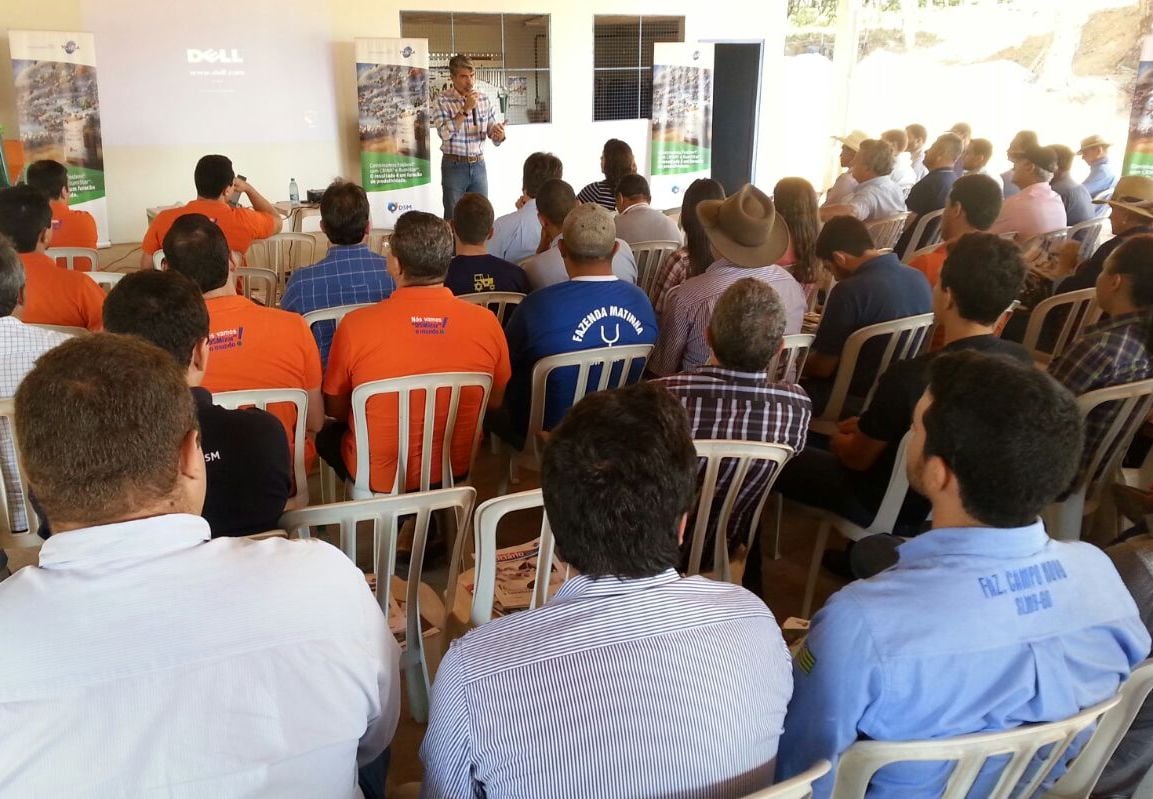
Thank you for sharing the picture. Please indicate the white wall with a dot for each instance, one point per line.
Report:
(139, 177)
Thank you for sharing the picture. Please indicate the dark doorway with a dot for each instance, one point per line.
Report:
(736, 89)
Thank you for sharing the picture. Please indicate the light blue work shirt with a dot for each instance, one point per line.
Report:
(1102, 176)
(974, 630)
(516, 236)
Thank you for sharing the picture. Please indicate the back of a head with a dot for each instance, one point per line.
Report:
(619, 161)
(917, 131)
(589, 234)
(843, 234)
(796, 202)
(213, 175)
(962, 129)
(344, 212)
(617, 475)
(555, 200)
(980, 198)
(1065, 156)
(877, 156)
(472, 218)
(163, 308)
(24, 216)
(949, 145)
(195, 247)
(897, 138)
(101, 420)
(1009, 432)
(1134, 260)
(11, 277)
(985, 274)
(538, 168)
(423, 245)
(1023, 140)
(747, 325)
(982, 148)
(634, 187)
(50, 177)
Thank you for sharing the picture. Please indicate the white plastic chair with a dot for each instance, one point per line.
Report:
(66, 329)
(500, 303)
(283, 253)
(741, 455)
(385, 514)
(790, 361)
(333, 314)
(1104, 195)
(377, 240)
(70, 255)
(1129, 406)
(799, 787)
(905, 338)
(263, 397)
(650, 255)
(260, 282)
(886, 231)
(909, 256)
(1091, 230)
(865, 758)
(918, 241)
(106, 280)
(1050, 241)
(158, 260)
(1081, 310)
(9, 516)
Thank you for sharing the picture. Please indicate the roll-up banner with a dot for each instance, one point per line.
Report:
(392, 95)
(682, 120)
(58, 110)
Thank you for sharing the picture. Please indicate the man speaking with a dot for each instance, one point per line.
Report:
(464, 118)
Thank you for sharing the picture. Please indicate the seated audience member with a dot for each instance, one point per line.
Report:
(932, 191)
(592, 309)
(516, 236)
(555, 201)
(1022, 141)
(993, 442)
(876, 195)
(247, 465)
(1130, 214)
(902, 174)
(216, 185)
(625, 645)
(980, 278)
(1036, 208)
(251, 346)
(976, 159)
(636, 219)
(349, 273)
(964, 132)
(52, 295)
(845, 183)
(21, 344)
(473, 269)
(1095, 153)
(973, 205)
(69, 228)
(616, 162)
(276, 645)
(872, 287)
(421, 329)
(1078, 202)
(796, 203)
(694, 256)
(917, 138)
(747, 238)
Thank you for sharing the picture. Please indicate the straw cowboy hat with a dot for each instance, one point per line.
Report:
(1134, 193)
(745, 228)
(1092, 141)
(853, 140)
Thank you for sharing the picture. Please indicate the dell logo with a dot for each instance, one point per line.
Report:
(214, 57)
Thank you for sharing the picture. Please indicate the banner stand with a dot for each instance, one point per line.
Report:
(682, 120)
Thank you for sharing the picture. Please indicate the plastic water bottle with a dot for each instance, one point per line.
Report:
(293, 192)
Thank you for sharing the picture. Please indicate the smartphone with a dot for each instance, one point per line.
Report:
(234, 200)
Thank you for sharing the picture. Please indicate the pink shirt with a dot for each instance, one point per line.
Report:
(1030, 212)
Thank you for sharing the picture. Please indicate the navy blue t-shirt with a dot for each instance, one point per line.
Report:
(469, 274)
(930, 193)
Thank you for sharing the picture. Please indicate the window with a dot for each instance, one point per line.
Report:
(510, 53)
(623, 63)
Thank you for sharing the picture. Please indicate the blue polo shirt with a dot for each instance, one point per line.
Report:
(974, 630)
(930, 193)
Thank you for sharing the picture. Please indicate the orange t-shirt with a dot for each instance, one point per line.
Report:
(250, 346)
(418, 330)
(72, 229)
(240, 225)
(55, 296)
(930, 263)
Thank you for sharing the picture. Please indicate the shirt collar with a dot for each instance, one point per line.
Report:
(886, 259)
(992, 542)
(412, 291)
(529, 206)
(585, 586)
(594, 279)
(877, 181)
(133, 540)
(637, 205)
(348, 247)
(1120, 320)
(731, 375)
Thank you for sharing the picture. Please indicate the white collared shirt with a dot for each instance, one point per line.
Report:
(143, 659)
(547, 268)
(641, 222)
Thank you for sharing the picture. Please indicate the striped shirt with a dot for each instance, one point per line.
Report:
(468, 138)
(601, 193)
(652, 687)
(673, 271)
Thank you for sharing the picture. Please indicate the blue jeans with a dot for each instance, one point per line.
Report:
(458, 178)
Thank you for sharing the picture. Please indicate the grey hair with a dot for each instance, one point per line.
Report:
(11, 277)
(877, 155)
(747, 325)
(424, 246)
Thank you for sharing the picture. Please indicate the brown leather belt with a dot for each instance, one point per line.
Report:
(464, 159)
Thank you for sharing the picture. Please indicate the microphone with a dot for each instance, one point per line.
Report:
(474, 119)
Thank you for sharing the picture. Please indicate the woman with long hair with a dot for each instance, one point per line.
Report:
(616, 162)
(695, 256)
(796, 202)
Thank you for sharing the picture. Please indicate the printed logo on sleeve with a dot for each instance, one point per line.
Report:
(806, 659)
(230, 339)
(429, 325)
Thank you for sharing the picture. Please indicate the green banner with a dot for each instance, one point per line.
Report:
(391, 171)
(678, 158)
(85, 184)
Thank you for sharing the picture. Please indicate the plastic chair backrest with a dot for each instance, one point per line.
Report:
(385, 514)
(863, 759)
(1048, 241)
(106, 280)
(500, 303)
(909, 256)
(263, 397)
(71, 254)
(255, 280)
(15, 518)
(1091, 230)
(158, 260)
(790, 361)
(333, 314)
(1081, 310)
(67, 329)
(650, 255)
(426, 389)
(377, 240)
(886, 231)
(1104, 195)
(283, 253)
(799, 787)
(742, 455)
(918, 241)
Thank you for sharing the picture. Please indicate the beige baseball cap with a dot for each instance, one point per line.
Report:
(853, 140)
(589, 231)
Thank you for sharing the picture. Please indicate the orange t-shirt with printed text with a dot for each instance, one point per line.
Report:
(57, 296)
(417, 330)
(73, 229)
(240, 225)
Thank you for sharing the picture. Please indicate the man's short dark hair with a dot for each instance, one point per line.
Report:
(472, 218)
(951, 144)
(344, 212)
(980, 198)
(963, 129)
(981, 147)
(423, 245)
(985, 274)
(618, 474)
(101, 420)
(163, 308)
(213, 175)
(747, 325)
(634, 186)
(917, 131)
(24, 216)
(1010, 434)
(1065, 156)
(1024, 139)
(877, 155)
(538, 168)
(843, 234)
(11, 277)
(458, 63)
(554, 201)
(50, 177)
(195, 247)
(896, 138)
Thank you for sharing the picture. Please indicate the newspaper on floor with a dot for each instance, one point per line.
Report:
(516, 569)
(398, 612)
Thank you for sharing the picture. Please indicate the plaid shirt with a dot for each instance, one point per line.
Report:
(347, 275)
(1110, 353)
(673, 271)
(467, 139)
(742, 406)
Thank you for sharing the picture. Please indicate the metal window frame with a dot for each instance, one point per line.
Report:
(640, 67)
